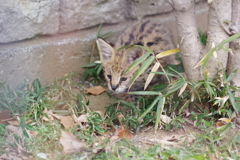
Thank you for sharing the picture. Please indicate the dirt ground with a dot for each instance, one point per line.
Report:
(147, 136)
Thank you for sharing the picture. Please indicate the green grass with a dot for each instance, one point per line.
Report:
(200, 103)
(212, 142)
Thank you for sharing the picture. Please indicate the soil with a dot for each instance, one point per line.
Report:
(148, 137)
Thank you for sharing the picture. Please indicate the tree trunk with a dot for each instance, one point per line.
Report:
(234, 58)
(190, 45)
(219, 11)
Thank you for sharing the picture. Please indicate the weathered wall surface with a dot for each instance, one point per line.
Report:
(47, 39)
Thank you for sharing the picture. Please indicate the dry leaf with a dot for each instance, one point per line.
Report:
(182, 89)
(124, 133)
(96, 90)
(120, 117)
(49, 115)
(5, 116)
(12, 128)
(10, 156)
(115, 137)
(71, 143)
(174, 140)
(67, 121)
(214, 52)
(31, 133)
(14, 123)
(151, 75)
(13, 131)
(101, 113)
(223, 121)
(82, 118)
(165, 119)
(219, 124)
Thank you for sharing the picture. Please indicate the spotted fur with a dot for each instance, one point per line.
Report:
(115, 62)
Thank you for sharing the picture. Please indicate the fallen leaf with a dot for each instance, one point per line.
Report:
(114, 138)
(42, 155)
(49, 114)
(70, 143)
(173, 140)
(10, 156)
(101, 113)
(82, 118)
(165, 119)
(96, 90)
(13, 131)
(67, 121)
(120, 117)
(124, 133)
(151, 75)
(12, 128)
(14, 123)
(225, 120)
(219, 124)
(4, 116)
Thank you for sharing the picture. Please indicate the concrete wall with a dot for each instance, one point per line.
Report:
(47, 39)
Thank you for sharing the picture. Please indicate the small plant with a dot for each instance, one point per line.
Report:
(95, 68)
(94, 71)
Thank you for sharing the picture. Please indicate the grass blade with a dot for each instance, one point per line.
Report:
(177, 85)
(230, 77)
(232, 100)
(150, 93)
(167, 53)
(89, 65)
(145, 65)
(151, 75)
(137, 62)
(149, 108)
(106, 35)
(205, 59)
(182, 89)
(160, 107)
(98, 31)
(166, 74)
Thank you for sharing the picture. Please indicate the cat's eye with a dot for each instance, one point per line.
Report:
(109, 77)
(123, 79)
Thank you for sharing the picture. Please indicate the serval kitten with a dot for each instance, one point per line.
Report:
(115, 62)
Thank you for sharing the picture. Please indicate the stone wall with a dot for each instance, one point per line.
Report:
(46, 39)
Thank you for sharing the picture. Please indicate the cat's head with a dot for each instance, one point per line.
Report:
(115, 63)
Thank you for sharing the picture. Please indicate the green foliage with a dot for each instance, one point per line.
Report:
(205, 59)
(94, 71)
(203, 37)
(2, 138)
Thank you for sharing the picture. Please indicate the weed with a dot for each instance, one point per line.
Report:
(95, 68)
(94, 71)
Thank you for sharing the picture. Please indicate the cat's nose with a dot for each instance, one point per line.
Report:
(114, 87)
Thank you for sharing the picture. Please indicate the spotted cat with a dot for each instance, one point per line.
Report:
(115, 62)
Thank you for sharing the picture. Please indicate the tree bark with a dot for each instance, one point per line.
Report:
(219, 11)
(234, 58)
(188, 37)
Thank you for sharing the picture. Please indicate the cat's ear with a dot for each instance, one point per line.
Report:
(132, 53)
(106, 51)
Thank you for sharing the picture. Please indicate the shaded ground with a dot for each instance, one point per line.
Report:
(147, 136)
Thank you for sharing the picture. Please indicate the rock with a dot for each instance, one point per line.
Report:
(140, 8)
(25, 19)
(79, 14)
